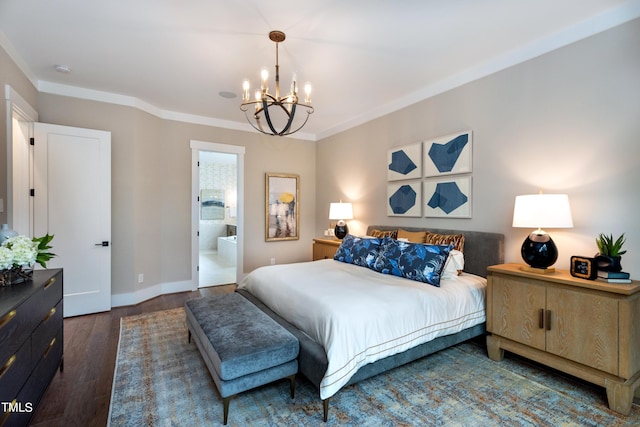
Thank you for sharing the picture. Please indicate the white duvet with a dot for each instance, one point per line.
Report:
(360, 316)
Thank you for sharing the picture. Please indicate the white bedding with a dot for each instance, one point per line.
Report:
(360, 316)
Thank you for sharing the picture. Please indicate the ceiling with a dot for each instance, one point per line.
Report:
(364, 58)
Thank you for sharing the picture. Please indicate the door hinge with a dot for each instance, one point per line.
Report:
(32, 192)
(198, 268)
(32, 141)
(198, 164)
(198, 233)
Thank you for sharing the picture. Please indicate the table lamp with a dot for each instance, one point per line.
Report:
(538, 211)
(340, 211)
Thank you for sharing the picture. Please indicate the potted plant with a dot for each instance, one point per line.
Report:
(609, 252)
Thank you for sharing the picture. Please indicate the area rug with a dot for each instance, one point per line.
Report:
(161, 380)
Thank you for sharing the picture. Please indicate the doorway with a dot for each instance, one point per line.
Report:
(217, 213)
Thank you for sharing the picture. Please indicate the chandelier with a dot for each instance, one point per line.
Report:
(277, 111)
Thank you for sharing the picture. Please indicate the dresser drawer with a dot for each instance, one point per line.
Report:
(45, 367)
(49, 295)
(15, 326)
(46, 331)
(14, 371)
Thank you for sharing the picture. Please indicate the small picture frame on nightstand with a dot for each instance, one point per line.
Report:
(584, 267)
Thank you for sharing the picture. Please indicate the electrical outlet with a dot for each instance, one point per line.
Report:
(273, 261)
(140, 278)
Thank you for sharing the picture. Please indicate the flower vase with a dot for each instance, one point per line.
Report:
(6, 232)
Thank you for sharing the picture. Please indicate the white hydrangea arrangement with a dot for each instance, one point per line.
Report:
(18, 254)
(18, 251)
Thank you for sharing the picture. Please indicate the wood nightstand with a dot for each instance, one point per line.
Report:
(586, 328)
(325, 248)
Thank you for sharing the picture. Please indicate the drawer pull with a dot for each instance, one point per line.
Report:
(51, 313)
(51, 344)
(7, 318)
(50, 282)
(6, 415)
(7, 365)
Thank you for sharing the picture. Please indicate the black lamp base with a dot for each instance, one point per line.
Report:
(341, 229)
(539, 250)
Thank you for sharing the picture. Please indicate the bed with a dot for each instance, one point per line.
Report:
(315, 306)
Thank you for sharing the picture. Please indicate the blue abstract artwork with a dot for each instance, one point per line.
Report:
(448, 197)
(404, 162)
(445, 156)
(404, 199)
(448, 155)
(401, 163)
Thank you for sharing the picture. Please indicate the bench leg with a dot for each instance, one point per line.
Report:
(325, 408)
(225, 407)
(292, 385)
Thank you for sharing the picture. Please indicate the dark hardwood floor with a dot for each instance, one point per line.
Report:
(80, 394)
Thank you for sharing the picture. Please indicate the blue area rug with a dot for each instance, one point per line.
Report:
(161, 380)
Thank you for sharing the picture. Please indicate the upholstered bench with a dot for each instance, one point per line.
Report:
(242, 347)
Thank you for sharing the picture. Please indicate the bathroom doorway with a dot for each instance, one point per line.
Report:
(217, 217)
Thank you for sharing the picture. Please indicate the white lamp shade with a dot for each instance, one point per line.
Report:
(340, 211)
(542, 211)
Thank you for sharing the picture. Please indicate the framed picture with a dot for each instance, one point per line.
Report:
(448, 197)
(211, 204)
(404, 162)
(448, 155)
(282, 207)
(404, 199)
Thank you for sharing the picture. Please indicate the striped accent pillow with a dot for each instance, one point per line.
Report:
(457, 240)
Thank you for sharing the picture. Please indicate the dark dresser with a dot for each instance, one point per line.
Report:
(30, 344)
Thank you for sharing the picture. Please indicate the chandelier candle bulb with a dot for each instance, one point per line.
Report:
(246, 86)
(307, 93)
(264, 74)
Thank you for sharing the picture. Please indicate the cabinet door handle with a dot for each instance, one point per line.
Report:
(547, 320)
(541, 318)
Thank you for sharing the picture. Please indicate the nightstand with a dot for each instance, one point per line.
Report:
(325, 248)
(586, 328)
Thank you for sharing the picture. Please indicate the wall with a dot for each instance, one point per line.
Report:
(151, 200)
(566, 122)
(11, 75)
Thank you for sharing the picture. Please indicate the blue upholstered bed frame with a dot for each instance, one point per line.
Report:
(481, 249)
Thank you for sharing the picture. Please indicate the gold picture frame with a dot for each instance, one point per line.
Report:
(282, 207)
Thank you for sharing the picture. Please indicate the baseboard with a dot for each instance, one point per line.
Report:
(141, 295)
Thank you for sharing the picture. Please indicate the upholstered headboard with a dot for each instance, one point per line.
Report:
(481, 249)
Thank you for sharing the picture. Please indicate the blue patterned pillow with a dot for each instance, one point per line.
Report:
(415, 261)
(359, 251)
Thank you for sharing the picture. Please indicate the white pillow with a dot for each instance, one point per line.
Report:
(454, 265)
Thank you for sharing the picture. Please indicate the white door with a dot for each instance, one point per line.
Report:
(72, 200)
